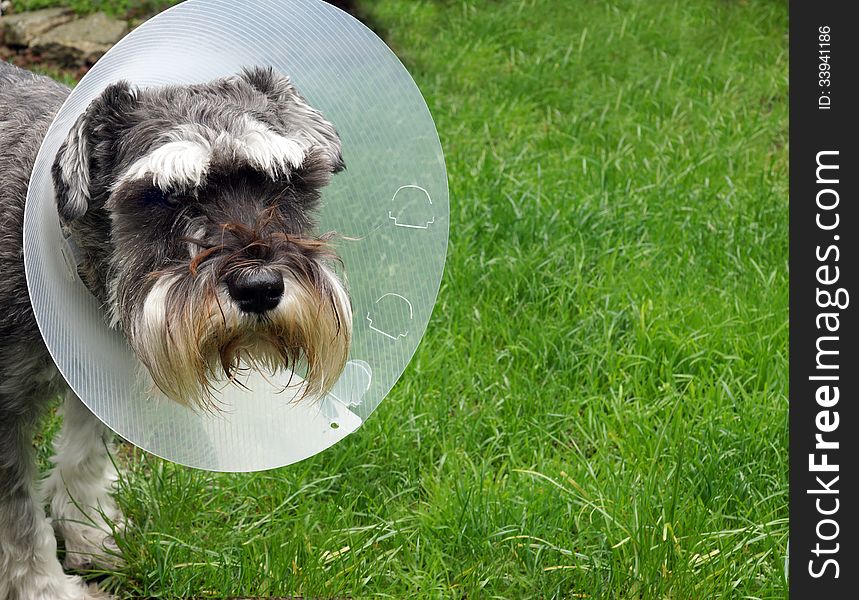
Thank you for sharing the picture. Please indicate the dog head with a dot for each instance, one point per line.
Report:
(194, 208)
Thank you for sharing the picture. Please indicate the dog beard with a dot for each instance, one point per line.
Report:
(189, 333)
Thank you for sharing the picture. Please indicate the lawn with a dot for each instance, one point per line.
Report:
(114, 8)
(599, 407)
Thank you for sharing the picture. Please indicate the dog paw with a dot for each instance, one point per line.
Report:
(58, 587)
(93, 593)
(89, 535)
(89, 546)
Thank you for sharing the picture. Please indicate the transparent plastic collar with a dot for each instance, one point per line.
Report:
(391, 205)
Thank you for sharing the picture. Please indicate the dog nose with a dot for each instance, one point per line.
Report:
(256, 292)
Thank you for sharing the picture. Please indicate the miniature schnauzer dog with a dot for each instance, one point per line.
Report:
(193, 208)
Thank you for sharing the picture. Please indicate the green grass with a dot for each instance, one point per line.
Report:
(599, 408)
(114, 8)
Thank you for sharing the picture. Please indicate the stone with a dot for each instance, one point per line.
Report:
(80, 42)
(22, 28)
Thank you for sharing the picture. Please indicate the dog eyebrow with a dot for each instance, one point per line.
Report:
(267, 150)
(175, 165)
(184, 160)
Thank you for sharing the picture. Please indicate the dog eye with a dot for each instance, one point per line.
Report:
(158, 197)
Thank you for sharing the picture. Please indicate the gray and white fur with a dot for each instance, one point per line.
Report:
(194, 209)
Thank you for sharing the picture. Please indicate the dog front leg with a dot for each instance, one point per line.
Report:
(29, 569)
(79, 489)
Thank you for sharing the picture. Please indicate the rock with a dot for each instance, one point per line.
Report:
(79, 42)
(22, 28)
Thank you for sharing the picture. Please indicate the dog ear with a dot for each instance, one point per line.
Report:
(73, 166)
(297, 116)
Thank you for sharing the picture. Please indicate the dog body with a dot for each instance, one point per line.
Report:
(193, 208)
